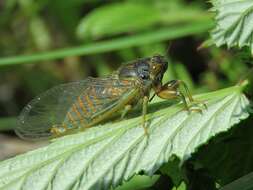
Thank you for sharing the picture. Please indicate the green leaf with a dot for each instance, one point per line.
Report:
(244, 183)
(129, 17)
(173, 169)
(7, 123)
(139, 182)
(224, 147)
(107, 155)
(117, 18)
(181, 187)
(234, 23)
(111, 45)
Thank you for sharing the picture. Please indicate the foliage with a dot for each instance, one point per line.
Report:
(69, 40)
(107, 20)
(116, 44)
(107, 155)
(234, 23)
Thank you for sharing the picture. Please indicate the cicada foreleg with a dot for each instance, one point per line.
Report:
(173, 90)
(144, 113)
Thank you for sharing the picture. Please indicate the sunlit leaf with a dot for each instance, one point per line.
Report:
(234, 23)
(107, 155)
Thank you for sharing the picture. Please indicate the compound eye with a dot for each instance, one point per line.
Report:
(144, 76)
(156, 68)
(156, 59)
(143, 71)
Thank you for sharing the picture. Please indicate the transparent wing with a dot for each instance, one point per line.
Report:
(51, 107)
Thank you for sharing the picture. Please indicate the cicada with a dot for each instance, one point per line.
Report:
(86, 103)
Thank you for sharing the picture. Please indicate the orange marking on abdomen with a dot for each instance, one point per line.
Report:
(117, 91)
(125, 82)
(90, 103)
(95, 97)
(76, 111)
(80, 103)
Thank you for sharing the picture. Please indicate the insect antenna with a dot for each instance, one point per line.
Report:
(167, 52)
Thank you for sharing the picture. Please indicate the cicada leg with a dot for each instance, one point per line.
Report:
(55, 131)
(145, 100)
(171, 90)
(58, 130)
(144, 113)
(125, 111)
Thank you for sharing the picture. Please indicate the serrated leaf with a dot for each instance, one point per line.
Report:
(107, 155)
(234, 23)
(223, 148)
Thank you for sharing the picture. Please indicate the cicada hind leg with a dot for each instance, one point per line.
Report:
(177, 89)
(58, 130)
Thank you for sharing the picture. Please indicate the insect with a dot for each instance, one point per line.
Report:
(86, 103)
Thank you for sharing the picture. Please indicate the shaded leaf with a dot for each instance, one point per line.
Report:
(139, 182)
(244, 183)
(173, 170)
(129, 17)
(111, 45)
(117, 18)
(236, 144)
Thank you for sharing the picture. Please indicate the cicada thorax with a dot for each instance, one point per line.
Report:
(89, 107)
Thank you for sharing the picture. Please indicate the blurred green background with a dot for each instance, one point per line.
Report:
(44, 43)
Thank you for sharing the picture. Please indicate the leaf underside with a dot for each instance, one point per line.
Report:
(105, 156)
(234, 23)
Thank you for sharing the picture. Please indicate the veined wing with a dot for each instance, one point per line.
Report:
(53, 106)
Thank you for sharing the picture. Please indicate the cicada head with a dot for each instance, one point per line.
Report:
(149, 69)
(157, 67)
